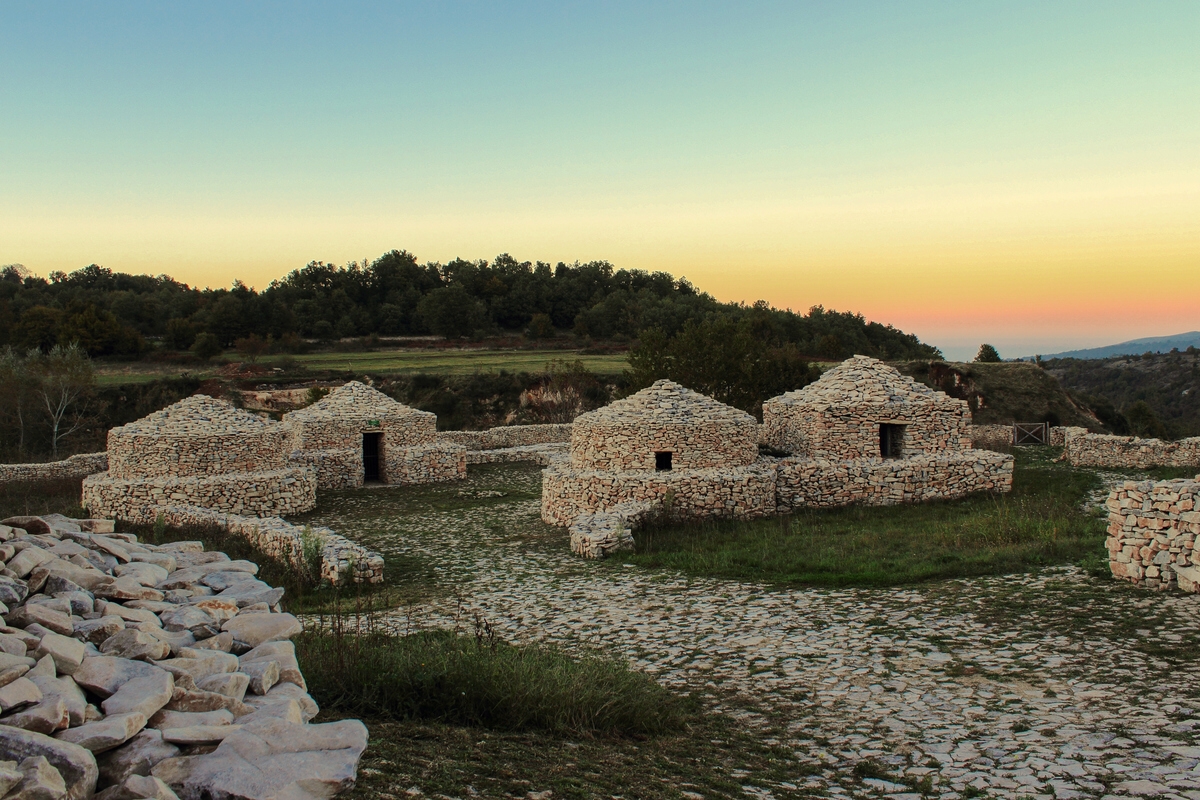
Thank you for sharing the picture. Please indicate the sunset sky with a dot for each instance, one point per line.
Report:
(1026, 174)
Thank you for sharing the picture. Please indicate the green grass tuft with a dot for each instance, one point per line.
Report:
(440, 676)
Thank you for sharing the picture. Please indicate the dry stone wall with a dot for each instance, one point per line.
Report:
(508, 436)
(817, 483)
(342, 560)
(744, 492)
(1154, 533)
(274, 493)
(544, 454)
(1085, 449)
(78, 466)
(430, 463)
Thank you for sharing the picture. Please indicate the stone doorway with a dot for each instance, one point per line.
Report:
(371, 447)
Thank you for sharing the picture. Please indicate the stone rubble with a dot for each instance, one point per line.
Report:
(130, 670)
(328, 436)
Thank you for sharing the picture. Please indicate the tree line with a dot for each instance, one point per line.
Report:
(110, 313)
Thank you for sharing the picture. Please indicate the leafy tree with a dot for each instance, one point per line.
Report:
(540, 327)
(181, 334)
(16, 385)
(206, 346)
(987, 355)
(452, 312)
(38, 328)
(1144, 422)
(725, 358)
(252, 347)
(63, 383)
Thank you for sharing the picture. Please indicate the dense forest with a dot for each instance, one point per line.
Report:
(119, 315)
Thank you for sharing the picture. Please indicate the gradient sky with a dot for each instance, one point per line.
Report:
(1026, 174)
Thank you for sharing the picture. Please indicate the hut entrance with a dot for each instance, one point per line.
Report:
(662, 461)
(371, 456)
(891, 440)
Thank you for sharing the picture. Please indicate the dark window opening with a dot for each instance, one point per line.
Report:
(371, 456)
(662, 461)
(891, 440)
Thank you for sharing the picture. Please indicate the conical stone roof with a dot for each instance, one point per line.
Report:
(861, 380)
(353, 401)
(665, 401)
(198, 415)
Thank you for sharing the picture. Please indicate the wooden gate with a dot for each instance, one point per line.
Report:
(1031, 433)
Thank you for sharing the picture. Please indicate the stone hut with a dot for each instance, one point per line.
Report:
(864, 433)
(357, 434)
(663, 442)
(199, 452)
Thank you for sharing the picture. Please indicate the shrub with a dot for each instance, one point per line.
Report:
(206, 346)
(482, 681)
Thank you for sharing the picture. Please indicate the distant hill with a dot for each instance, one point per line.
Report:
(1134, 347)
(1001, 394)
(1169, 383)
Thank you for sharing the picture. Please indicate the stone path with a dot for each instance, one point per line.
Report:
(1048, 685)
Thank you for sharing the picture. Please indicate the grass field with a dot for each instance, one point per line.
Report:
(380, 362)
(1040, 523)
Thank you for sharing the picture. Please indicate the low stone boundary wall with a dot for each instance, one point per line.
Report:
(341, 559)
(78, 466)
(507, 436)
(1154, 533)
(1085, 449)
(985, 437)
(544, 454)
(433, 463)
(817, 483)
(744, 492)
(278, 492)
(600, 534)
(336, 469)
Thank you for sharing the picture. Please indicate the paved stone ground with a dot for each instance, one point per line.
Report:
(1047, 685)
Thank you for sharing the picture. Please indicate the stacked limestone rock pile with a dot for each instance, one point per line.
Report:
(835, 428)
(199, 452)
(1154, 533)
(620, 454)
(129, 670)
(328, 436)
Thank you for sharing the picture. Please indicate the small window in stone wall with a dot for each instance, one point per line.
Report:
(891, 440)
(662, 461)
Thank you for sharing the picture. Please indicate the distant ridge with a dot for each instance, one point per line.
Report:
(1135, 347)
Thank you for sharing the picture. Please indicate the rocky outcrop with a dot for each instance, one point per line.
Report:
(133, 670)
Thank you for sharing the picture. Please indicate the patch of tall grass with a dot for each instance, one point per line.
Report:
(480, 681)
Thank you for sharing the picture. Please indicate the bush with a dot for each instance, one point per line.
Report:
(482, 681)
(206, 346)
